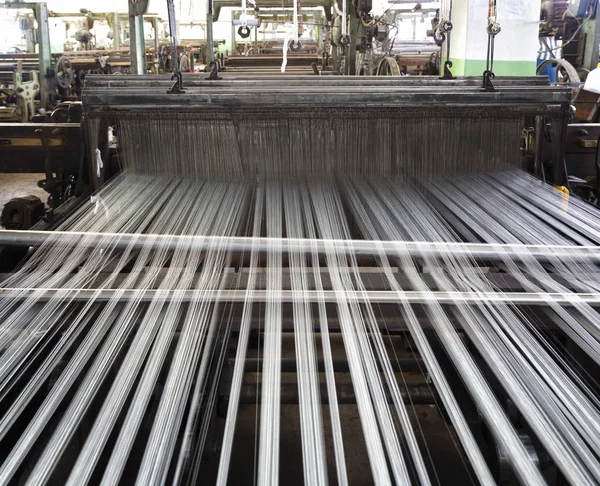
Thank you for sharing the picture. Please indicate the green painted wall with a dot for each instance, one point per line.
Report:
(471, 67)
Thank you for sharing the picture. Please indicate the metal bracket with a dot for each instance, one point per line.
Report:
(138, 7)
(26, 92)
(214, 71)
(493, 29)
(447, 72)
(295, 46)
(344, 40)
(487, 81)
(445, 30)
(177, 88)
(244, 31)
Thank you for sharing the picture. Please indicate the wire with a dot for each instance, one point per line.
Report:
(580, 25)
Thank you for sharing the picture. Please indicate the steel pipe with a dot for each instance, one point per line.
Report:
(285, 245)
(328, 296)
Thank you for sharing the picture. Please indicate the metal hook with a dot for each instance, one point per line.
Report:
(177, 88)
(295, 46)
(344, 40)
(487, 81)
(214, 71)
(447, 72)
(244, 31)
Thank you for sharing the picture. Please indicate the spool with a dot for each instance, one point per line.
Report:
(21, 213)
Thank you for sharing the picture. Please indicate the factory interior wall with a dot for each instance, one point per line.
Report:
(222, 29)
(516, 46)
(458, 36)
(470, 67)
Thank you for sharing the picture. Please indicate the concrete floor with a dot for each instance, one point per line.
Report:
(15, 185)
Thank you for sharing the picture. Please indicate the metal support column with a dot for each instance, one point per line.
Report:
(44, 54)
(595, 44)
(355, 37)
(590, 36)
(116, 31)
(30, 33)
(210, 44)
(46, 73)
(156, 57)
(137, 44)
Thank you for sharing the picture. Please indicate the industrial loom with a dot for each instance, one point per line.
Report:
(308, 281)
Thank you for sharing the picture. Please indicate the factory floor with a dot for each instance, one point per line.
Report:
(15, 185)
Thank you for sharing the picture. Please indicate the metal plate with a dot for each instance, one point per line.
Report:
(21, 148)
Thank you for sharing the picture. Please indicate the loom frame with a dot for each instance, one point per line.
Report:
(107, 99)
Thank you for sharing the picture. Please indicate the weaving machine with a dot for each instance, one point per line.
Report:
(343, 280)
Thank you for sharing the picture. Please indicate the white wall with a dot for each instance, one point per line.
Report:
(518, 40)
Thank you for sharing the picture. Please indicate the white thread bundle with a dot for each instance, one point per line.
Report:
(147, 374)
